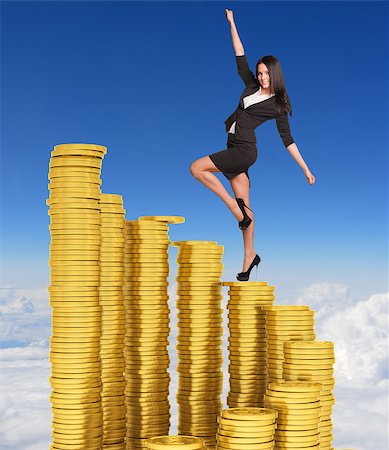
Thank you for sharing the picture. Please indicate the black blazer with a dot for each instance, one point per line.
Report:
(250, 118)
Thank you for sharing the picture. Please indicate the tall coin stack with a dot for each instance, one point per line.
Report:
(175, 443)
(313, 361)
(247, 342)
(74, 176)
(246, 428)
(147, 328)
(298, 406)
(199, 339)
(113, 321)
(285, 323)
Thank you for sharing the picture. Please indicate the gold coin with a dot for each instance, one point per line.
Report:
(246, 284)
(215, 264)
(288, 308)
(291, 386)
(132, 226)
(287, 322)
(80, 146)
(308, 356)
(74, 193)
(84, 307)
(88, 161)
(74, 171)
(77, 152)
(74, 203)
(249, 414)
(183, 275)
(167, 219)
(294, 363)
(199, 258)
(110, 199)
(311, 345)
(70, 239)
(75, 255)
(292, 396)
(195, 243)
(79, 218)
(80, 181)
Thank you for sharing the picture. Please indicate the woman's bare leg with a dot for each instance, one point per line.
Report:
(241, 188)
(202, 170)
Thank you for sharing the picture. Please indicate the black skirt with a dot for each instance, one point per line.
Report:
(236, 159)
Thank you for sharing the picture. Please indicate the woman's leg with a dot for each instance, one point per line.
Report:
(241, 188)
(202, 170)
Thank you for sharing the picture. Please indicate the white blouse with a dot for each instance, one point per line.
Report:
(250, 100)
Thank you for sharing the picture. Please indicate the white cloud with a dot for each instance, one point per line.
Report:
(24, 317)
(25, 409)
(359, 329)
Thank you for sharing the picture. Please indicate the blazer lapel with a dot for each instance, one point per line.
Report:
(250, 89)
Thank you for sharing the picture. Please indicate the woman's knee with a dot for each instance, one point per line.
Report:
(194, 169)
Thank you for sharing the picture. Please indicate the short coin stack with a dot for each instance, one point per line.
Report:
(246, 428)
(247, 342)
(298, 406)
(285, 323)
(199, 338)
(175, 443)
(113, 321)
(74, 282)
(313, 361)
(147, 328)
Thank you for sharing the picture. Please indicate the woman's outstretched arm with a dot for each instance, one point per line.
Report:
(236, 42)
(294, 151)
(241, 61)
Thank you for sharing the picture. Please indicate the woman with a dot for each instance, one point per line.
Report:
(264, 98)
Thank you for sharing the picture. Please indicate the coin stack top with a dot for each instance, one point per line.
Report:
(251, 427)
(175, 443)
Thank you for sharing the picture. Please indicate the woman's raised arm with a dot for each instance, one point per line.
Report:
(243, 67)
(236, 42)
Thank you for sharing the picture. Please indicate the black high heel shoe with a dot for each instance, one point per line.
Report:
(245, 222)
(244, 276)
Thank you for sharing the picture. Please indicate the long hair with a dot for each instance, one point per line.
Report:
(277, 83)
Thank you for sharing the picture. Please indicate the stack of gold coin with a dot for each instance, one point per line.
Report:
(113, 321)
(313, 361)
(246, 428)
(74, 282)
(247, 342)
(199, 339)
(147, 328)
(298, 406)
(175, 443)
(285, 323)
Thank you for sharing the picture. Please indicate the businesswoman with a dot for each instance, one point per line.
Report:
(264, 97)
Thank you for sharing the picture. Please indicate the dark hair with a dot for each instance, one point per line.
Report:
(277, 83)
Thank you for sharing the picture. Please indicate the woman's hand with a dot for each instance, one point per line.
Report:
(311, 179)
(229, 15)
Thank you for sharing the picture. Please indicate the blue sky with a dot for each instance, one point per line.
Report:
(154, 82)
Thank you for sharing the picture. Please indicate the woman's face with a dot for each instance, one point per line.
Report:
(263, 76)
